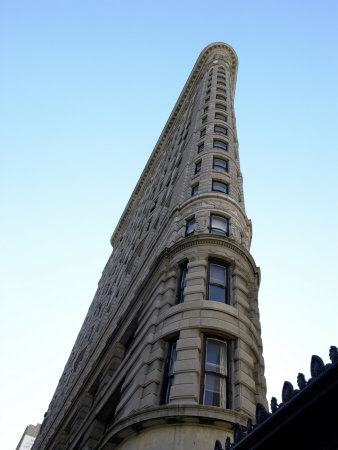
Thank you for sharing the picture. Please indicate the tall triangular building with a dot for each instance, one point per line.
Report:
(170, 353)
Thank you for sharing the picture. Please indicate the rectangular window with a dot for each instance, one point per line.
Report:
(215, 387)
(198, 166)
(221, 97)
(219, 225)
(190, 227)
(220, 144)
(220, 77)
(219, 129)
(220, 116)
(219, 89)
(221, 82)
(168, 380)
(207, 99)
(220, 187)
(220, 164)
(202, 132)
(194, 190)
(205, 110)
(200, 148)
(220, 106)
(217, 282)
(182, 283)
(204, 119)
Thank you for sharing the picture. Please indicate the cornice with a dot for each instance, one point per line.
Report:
(194, 414)
(210, 239)
(187, 90)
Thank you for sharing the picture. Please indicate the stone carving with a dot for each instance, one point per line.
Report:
(301, 382)
(261, 414)
(317, 366)
(288, 391)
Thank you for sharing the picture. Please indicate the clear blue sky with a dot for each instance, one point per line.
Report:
(86, 88)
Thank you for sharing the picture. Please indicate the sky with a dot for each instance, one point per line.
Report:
(86, 88)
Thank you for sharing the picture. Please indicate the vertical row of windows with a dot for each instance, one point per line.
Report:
(215, 360)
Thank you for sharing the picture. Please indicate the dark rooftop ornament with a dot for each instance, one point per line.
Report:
(301, 382)
(317, 366)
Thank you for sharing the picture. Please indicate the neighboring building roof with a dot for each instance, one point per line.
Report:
(28, 437)
(306, 418)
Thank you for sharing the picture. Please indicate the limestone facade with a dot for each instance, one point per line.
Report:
(179, 289)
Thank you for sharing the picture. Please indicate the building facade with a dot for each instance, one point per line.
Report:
(170, 353)
(28, 437)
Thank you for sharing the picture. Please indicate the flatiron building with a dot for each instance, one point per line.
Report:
(170, 353)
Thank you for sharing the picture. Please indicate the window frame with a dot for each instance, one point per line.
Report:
(198, 167)
(220, 116)
(194, 189)
(220, 129)
(182, 278)
(200, 147)
(204, 372)
(220, 168)
(167, 376)
(219, 231)
(226, 288)
(190, 222)
(226, 190)
(218, 143)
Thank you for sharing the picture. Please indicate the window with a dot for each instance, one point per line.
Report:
(154, 206)
(207, 99)
(221, 117)
(198, 166)
(221, 82)
(208, 92)
(219, 89)
(219, 225)
(204, 119)
(190, 227)
(220, 187)
(209, 85)
(202, 132)
(219, 129)
(220, 144)
(182, 281)
(200, 148)
(220, 77)
(221, 97)
(205, 110)
(220, 106)
(215, 379)
(218, 282)
(220, 164)
(168, 380)
(194, 190)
